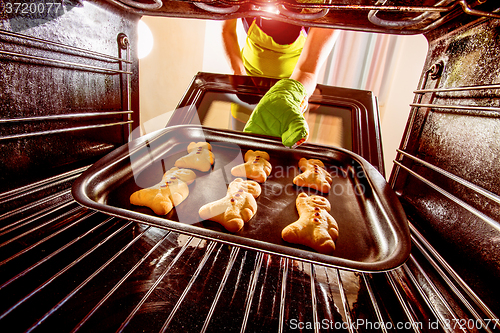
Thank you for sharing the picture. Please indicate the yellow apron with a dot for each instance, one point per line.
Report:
(262, 56)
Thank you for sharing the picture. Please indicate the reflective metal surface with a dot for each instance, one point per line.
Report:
(67, 268)
(66, 95)
(372, 225)
(387, 16)
(447, 168)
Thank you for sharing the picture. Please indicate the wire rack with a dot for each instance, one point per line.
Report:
(67, 268)
(33, 51)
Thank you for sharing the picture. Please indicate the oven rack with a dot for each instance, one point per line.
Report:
(96, 272)
(428, 17)
(448, 97)
(462, 92)
(442, 94)
(456, 194)
(471, 186)
(82, 52)
(30, 47)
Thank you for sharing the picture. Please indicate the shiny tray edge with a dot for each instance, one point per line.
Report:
(88, 179)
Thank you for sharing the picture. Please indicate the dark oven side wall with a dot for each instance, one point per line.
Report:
(456, 205)
(67, 111)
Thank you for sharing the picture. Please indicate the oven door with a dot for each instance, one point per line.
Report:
(341, 117)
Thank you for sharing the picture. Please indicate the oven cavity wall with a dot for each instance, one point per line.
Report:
(68, 89)
(447, 167)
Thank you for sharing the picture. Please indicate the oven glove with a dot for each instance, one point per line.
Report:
(279, 113)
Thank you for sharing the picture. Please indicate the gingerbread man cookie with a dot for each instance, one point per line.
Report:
(170, 192)
(199, 157)
(256, 166)
(314, 175)
(236, 208)
(315, 228)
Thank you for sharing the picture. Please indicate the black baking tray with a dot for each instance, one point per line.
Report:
(374, 234)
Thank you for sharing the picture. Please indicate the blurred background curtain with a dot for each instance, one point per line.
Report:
(362, 61)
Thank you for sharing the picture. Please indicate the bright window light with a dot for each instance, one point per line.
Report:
(271, 9)
(145, 40)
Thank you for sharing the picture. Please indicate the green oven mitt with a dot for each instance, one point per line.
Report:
(279, 113)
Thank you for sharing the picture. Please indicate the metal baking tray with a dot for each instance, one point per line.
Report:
(374, 234)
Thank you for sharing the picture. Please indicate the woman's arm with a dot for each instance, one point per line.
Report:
(231, 47)
(286, 97)
(318, 46)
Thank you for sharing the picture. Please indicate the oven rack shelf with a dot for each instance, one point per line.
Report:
(63, 48)
(463, 92)
(31, 46)
(456, 89)
(471, 186)
(140, 262)
(490, 221)
(441, 94)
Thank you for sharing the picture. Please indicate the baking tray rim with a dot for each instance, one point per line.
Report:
(79, 191)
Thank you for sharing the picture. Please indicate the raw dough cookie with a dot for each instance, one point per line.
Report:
(315, 228)
(170, 192)
(256, 166)
(200, 157)
(313, 175)
(236, 208)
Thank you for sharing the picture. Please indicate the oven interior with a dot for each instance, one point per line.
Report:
(70, 95)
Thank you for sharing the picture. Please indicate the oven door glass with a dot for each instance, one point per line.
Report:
(328, 124)
(340, 117)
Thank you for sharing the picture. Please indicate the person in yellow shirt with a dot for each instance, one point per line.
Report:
(280, 50)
